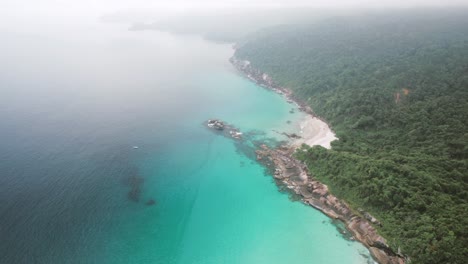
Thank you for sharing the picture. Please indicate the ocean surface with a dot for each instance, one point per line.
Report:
(105, 159)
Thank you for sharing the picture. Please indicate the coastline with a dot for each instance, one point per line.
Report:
(294, 175)
(314, 132)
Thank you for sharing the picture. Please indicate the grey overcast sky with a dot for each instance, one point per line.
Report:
(94, 6)
(21, 10)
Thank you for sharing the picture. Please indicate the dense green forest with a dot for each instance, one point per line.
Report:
(394, 87)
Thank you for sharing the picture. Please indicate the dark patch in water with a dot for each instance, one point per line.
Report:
(150, 202)
(135, 183)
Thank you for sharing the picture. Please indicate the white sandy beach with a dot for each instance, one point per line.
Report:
(314, 131)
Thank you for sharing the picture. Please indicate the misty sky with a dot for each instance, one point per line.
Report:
(100, 6)
(22, 13)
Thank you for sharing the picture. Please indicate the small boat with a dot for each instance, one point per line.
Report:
(135, 147)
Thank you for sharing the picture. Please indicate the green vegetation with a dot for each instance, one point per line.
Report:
(395, 89)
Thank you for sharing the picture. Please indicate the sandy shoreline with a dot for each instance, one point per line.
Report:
(313, 132)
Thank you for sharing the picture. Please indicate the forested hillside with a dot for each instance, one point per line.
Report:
(394, 87)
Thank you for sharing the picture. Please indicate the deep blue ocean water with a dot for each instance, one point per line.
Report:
(74, 189)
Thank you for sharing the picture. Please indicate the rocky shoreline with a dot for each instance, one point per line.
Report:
(264, 80)
(293, 174)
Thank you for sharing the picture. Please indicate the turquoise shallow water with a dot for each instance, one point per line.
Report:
(74, 106)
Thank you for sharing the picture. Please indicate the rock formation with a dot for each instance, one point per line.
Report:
(294, 175)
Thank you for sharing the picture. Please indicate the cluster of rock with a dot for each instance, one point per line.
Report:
(294, 175)
(226, 129)
(216, 124)
(369, 217)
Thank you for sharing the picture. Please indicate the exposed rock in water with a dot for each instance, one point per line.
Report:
(216, 124)
(226, 129)
(293, 135)
(289, 135)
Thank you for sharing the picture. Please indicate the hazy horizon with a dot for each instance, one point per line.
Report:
(24, 10)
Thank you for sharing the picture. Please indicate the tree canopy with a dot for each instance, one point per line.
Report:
(394, 87)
